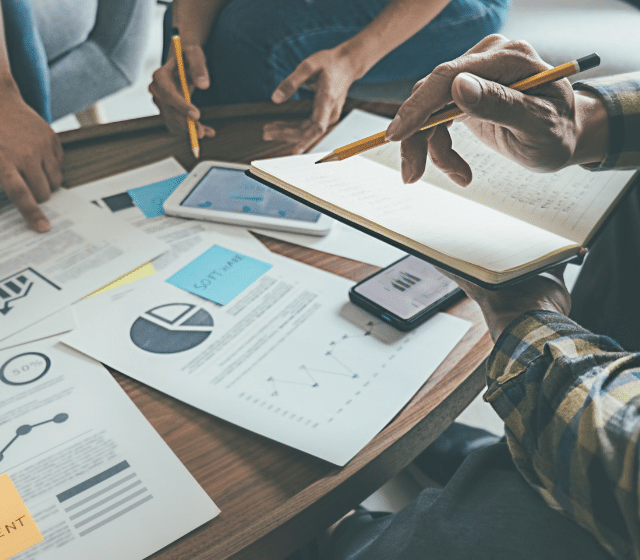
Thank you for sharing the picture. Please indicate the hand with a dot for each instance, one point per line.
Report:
(546, 291)
(540, 130)
(30, 159)
(167, 91)
(329, 73)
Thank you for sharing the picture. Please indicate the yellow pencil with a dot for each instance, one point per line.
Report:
(177, 46)
(450, 112)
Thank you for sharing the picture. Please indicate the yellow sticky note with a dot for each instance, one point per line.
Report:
(137, 274)
(18, 530)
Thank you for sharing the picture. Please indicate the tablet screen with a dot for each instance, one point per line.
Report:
(230, 190)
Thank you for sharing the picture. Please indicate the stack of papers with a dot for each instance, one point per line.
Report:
(253, 338)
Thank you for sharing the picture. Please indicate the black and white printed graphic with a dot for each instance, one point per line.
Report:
(27, 283)
(171, 328)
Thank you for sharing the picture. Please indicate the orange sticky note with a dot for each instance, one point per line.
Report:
(18, 530)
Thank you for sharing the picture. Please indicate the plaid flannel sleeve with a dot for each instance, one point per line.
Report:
(570, 401)
(621, 97)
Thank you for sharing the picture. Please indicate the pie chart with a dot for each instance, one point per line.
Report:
(171, 328)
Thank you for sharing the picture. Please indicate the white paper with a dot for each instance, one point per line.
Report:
(344, 240)
(181, 234)
(85, 249)
(290, 358)
(58, 323)
(97, 478)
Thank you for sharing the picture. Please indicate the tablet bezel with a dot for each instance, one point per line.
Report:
(172, 207)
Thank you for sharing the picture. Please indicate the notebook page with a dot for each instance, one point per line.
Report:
(569, 202)
(429, 215)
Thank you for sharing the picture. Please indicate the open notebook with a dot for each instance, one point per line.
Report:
(508, 224)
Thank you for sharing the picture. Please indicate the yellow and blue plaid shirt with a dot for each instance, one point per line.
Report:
(570, 399)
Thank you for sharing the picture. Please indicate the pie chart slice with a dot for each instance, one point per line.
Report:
(171, 328)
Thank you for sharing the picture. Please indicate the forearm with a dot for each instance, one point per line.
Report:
(195, 18)
(7, 83)
(568, 400)
(398, 21)
(619, 97)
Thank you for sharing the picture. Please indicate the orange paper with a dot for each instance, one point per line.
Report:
(18, 530)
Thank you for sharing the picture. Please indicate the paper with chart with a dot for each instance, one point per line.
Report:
(85, 249)
(89, 467)
(181, 234)
(290, 358)
(58, 323)
(344, 240)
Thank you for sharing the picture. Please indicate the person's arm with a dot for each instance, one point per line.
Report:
(331, 72)
(620, 97)
(194, 20)
(544, 130)
(569, 401)
(30, 152)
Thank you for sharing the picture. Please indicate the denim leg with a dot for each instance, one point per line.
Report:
(27, 57)
(255, 45)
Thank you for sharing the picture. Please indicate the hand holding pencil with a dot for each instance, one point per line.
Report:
(173, 84)
(542, 129)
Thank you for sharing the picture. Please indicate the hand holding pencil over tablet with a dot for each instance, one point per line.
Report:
(494, 58)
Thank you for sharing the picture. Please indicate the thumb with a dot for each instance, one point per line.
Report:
(490, 101)
(197, 67)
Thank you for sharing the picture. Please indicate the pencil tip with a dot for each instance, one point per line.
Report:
(196, 152)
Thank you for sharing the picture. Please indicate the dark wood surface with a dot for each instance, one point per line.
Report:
(273, 498)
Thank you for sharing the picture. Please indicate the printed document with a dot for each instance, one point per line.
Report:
(181, 234)
(97, 478)
(85, 249)
(289, 358)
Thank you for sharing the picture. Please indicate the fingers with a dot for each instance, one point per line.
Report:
(19, 193)
(293, 81)
(302, 136)
(413, 153)
(492, 102)
(196, 66)
(448, 160)
(167, 95)
(494, 59)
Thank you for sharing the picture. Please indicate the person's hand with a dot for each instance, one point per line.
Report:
(540, 129)
(30, 159)
(329, 73)
(167, 91)
(546, 291)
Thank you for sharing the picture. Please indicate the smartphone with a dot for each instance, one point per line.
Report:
(406, 293)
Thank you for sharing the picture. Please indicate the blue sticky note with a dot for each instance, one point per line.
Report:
(219, 274)
(150, 198)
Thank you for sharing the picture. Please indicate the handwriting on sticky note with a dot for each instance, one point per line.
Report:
(18, 530)
(219, 274)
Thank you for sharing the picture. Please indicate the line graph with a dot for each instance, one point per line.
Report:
(26, 429)
(331, 365)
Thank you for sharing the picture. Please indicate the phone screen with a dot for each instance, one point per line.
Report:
(230, 190)
(407, 287)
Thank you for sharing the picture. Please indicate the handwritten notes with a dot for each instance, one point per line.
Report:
(219, 274)
(18, 530)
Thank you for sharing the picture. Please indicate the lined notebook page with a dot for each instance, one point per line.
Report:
(569, 202)
(429, 215)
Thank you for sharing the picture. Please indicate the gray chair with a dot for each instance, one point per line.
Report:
(559, 30)
(94, 48)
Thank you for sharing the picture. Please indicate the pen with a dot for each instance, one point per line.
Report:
(193, 136)
(450, 111)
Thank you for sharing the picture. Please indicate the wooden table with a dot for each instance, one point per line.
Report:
(273, 498)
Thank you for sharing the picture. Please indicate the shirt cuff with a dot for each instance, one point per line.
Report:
(523, 342)
(621, 97)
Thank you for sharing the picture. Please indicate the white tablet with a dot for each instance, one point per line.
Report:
(221, 192)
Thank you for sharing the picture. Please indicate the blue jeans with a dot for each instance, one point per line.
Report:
(27, 58)
(255, 44)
